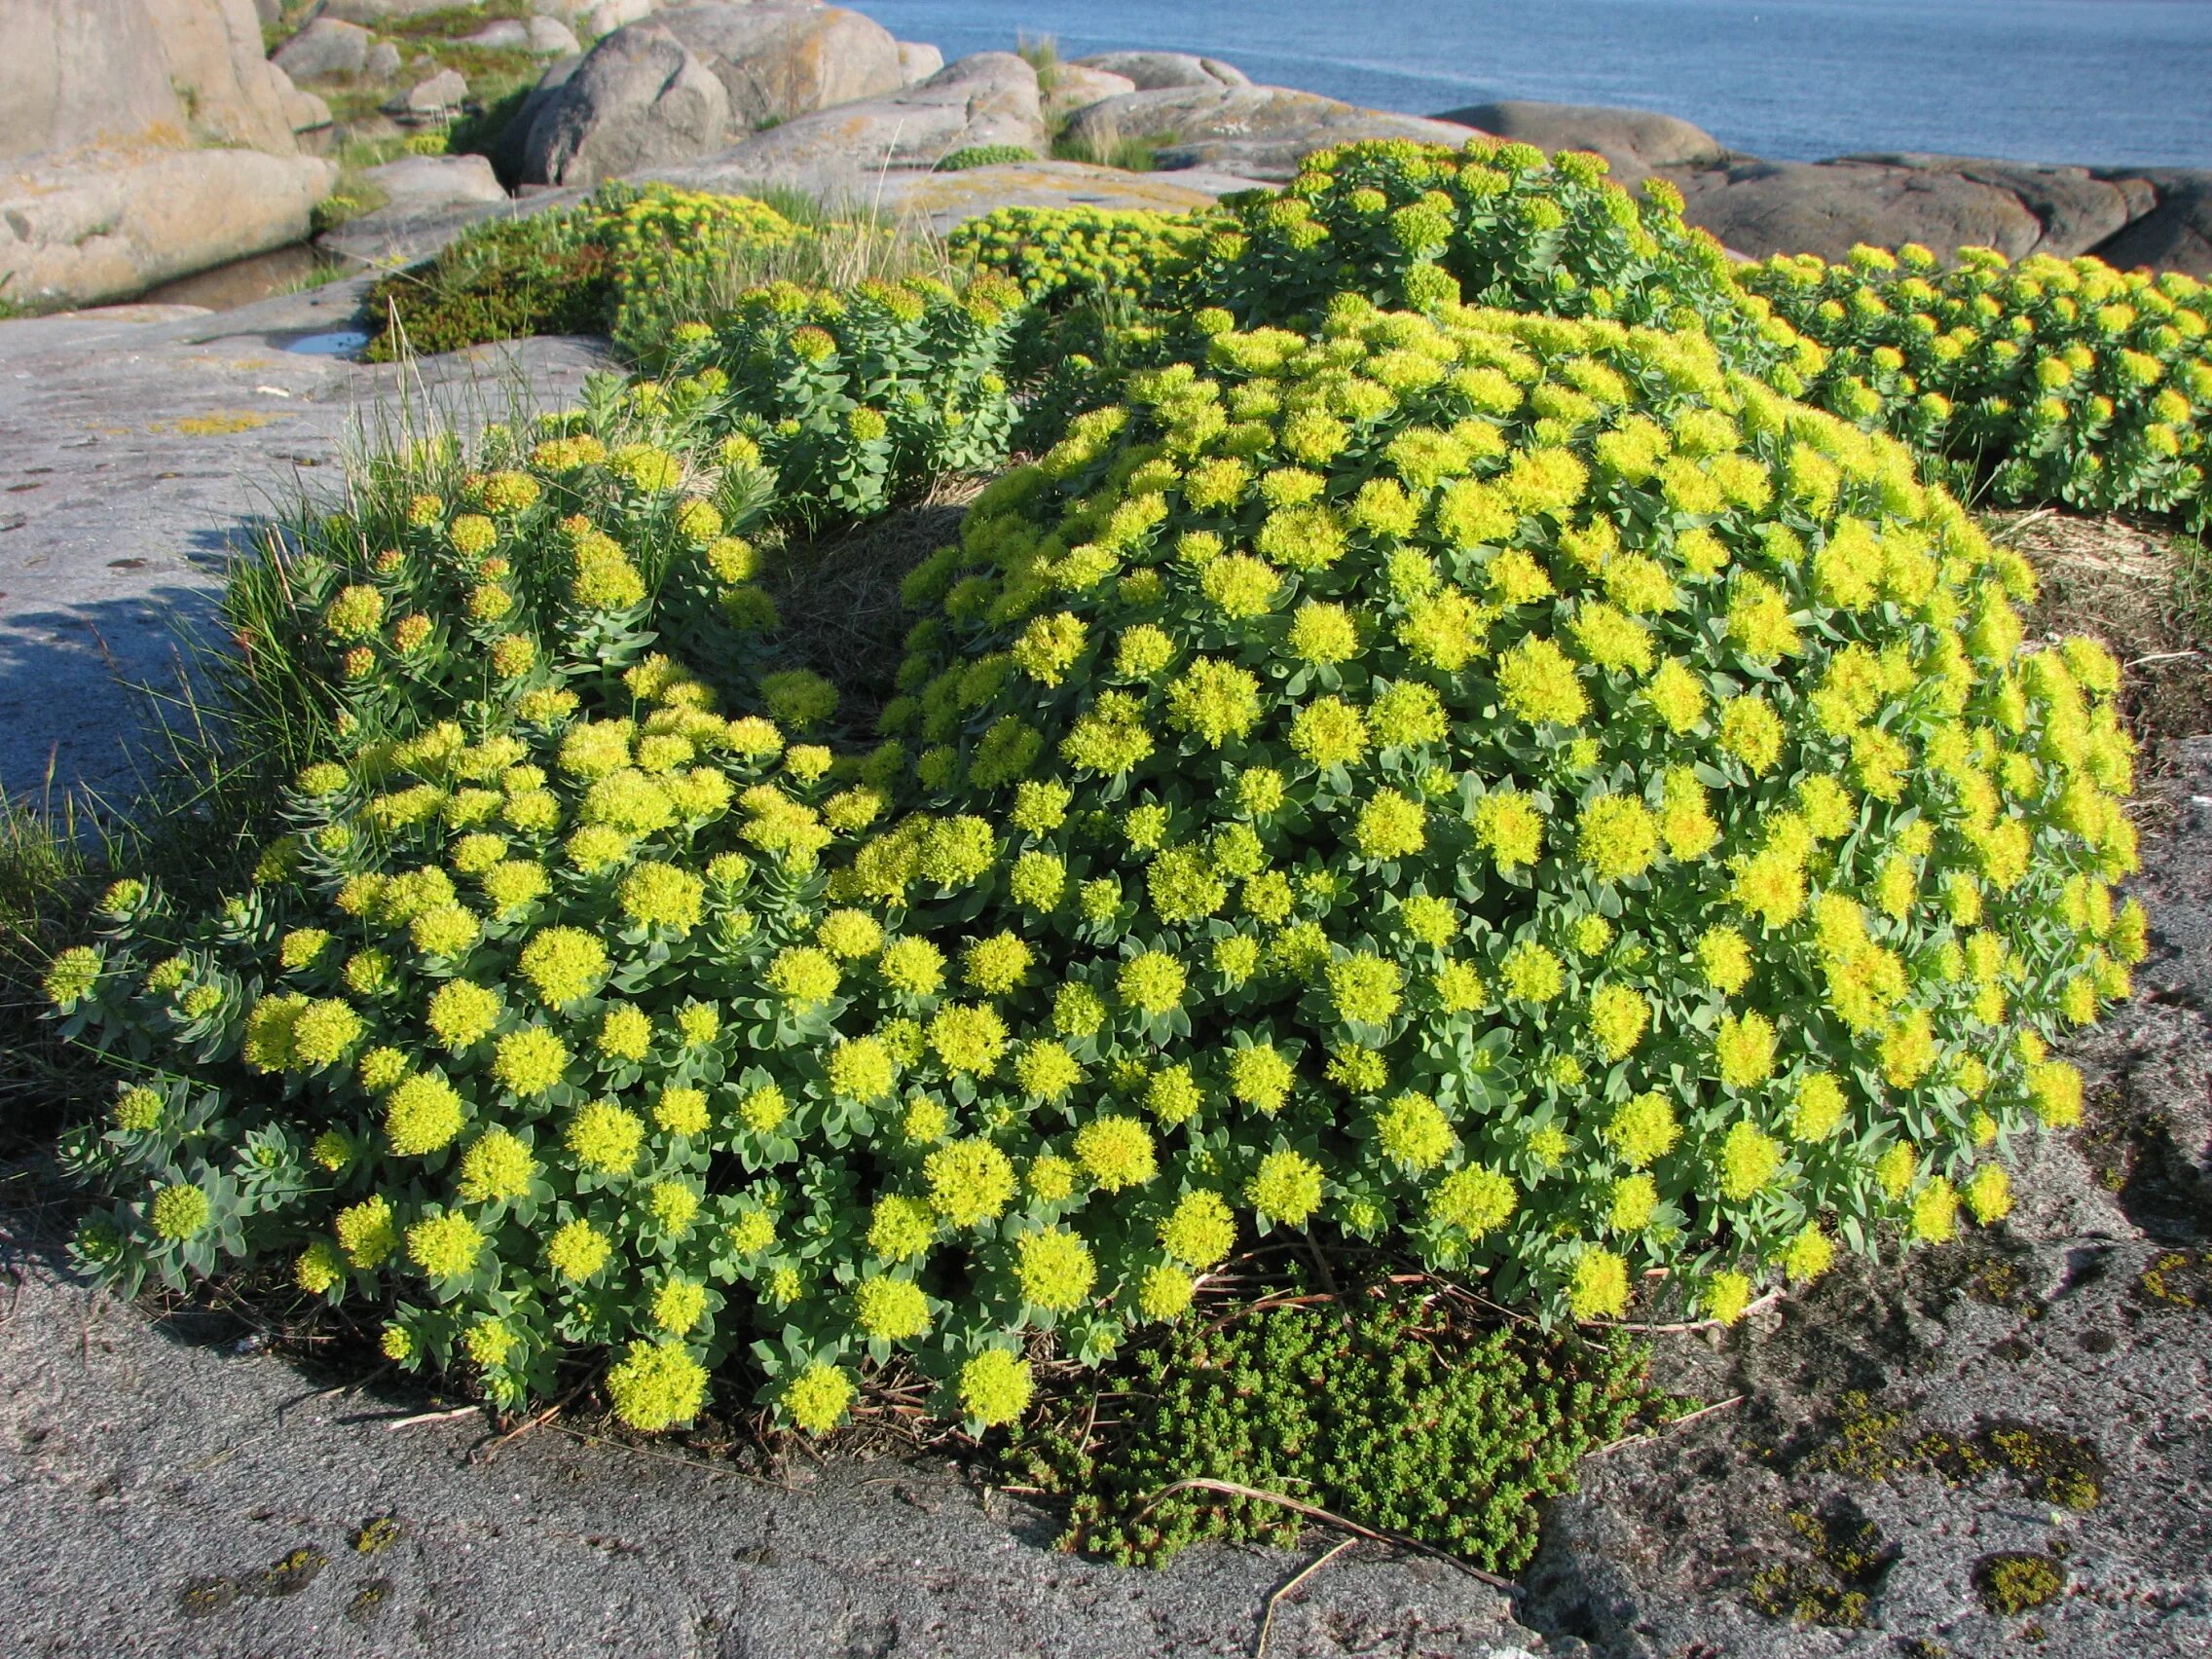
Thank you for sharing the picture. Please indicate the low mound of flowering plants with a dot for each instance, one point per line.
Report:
(2050, 380)
(1507, 787)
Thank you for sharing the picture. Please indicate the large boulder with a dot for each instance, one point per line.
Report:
(2074, 209)
(1155, 71)
(1075, 87)
(325, 47)
(987, 98)
(779, 60)
(1763, 208)
(641, 98)
(1258, 131)
(142, 141)
(435, 98)
(918, 60)
(86, 228)
(1638, 142)
(549, 37)
(2175, 232)
(221, 73)
(413, 183)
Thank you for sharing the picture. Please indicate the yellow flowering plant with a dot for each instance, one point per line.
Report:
(2046, 380)
(1510, 788)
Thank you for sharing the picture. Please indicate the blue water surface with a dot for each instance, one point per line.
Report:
(2107, 83)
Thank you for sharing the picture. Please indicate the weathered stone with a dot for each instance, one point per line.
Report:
(435, 98)
(105, 225)
(918, 60)
(1258, 131)
(503, 35)
(1075, 87)
(641, 98)
(2175, 232)
(987, 98)
(399, 235)
(607, 16)
(436, 181)
(1153, 71)
(325, 47)
(1638, 142)
(777, 60)
(2076, 208)
(214, 58)
(384, 61)
(1763, 208)
(549, 37)
(304, 111)
(945, 199)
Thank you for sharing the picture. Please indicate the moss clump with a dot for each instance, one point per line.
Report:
(985, 156)
(2017, 1581)
(1382, 1412)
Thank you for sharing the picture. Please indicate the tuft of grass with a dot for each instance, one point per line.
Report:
(1042, 53)
(1103, 144)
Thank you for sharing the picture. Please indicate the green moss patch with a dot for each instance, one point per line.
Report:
(1382, 1411)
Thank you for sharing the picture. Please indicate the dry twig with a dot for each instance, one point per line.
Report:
(1268, 1620)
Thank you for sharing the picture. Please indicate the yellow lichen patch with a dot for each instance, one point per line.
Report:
(216, 424)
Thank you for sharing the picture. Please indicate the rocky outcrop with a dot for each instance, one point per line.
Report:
(1076, 86)
(945, 199)
(641, 98)
(1153, 71)
(2175, 232)
(1946, 203)
(777, 60)
(2160, 217)
(771, 62)
(917, 62)
(417, 182)
(328, 46)
(1259, 131)
(987, 98)
(1638, 142)
(74, 233)
(141, 140)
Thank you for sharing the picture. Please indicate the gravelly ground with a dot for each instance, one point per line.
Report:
(156, 1487)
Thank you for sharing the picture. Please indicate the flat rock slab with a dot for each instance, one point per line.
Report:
(1256, 132)
(162, 1493)
(948, 200)
(138, 451)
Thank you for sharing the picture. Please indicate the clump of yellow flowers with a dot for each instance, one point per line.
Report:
(1504, 785)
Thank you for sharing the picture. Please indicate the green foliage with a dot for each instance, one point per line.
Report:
(862, 400)
(1386, 1415)
(1592, 815)
(2047, 381)
(985, 156)
(631, 262)
(1057, 252)
(1510, 786)
(502, 279)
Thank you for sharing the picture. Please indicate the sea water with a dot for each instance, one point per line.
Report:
(2109, 83)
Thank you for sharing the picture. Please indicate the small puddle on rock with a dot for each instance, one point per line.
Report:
(336, 343)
